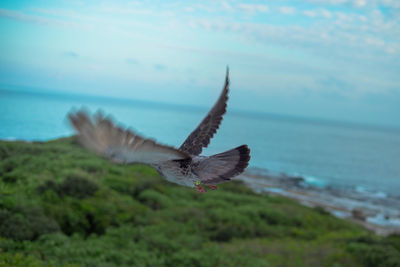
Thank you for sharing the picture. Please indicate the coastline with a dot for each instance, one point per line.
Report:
(375, 211)
(57, 197)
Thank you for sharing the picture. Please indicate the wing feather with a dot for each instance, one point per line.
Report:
(202, 135)
(100, 135)
(222, 167)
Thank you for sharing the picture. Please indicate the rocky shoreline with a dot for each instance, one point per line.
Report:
(373, 210)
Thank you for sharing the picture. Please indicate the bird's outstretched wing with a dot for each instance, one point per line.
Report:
(222, 167)
(100, 135)
(201, 136)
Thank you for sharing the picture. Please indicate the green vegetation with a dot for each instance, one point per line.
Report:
(63, 206)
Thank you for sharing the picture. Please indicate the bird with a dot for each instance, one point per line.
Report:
(184, 165)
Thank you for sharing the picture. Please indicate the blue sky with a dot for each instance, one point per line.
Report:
(333, 59)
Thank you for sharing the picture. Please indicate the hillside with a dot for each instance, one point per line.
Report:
(63, 206)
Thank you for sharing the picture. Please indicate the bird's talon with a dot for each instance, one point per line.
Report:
(200, 189)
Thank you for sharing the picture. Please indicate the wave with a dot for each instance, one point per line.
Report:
(357, 202)
(371, 193)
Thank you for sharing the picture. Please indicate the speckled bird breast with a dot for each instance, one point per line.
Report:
(178, 171)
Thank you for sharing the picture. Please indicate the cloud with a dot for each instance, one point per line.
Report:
(335, 86)
(391, 3)
(328, 2)
(117, 10)
(360, 3)
(159, 67)
(201, 7)
(373, 41)
(310, 13)
(252, 9)
(325, 13)
(226, 6)
(288, 10)
(357, 3)
(70, 54)
(132, 61)
(345, 34)
(318, 13)
(189, 9)
(17, 15)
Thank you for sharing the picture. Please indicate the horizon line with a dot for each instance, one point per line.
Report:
(235, 111)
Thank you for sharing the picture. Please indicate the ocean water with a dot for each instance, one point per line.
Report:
(324, 153)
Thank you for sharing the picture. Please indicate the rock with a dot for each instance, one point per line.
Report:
(358, 214)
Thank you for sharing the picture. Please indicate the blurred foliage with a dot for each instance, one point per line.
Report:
(60, 205)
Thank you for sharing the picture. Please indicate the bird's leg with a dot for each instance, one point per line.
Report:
(199, 188)
(213, 187)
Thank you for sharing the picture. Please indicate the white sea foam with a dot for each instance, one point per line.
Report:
(275, 190)
(370, 193)
(381, 219)
(377, 207)
(313, 181)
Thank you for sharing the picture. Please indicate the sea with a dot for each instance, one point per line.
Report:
(325, 153)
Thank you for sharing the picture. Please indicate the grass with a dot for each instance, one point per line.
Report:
(60, 205)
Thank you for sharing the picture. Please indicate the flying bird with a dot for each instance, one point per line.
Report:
(184, 166)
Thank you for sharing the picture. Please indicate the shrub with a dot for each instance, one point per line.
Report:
(236, 186)
(19, 260)
(73, 185)
(78, 187)
(377, 255)
(154, 199)
(25, 223)
(48, 185)
(129, 216)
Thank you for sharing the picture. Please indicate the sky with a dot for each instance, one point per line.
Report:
(329, 59)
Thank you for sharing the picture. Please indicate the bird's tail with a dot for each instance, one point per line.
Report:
(223, 166)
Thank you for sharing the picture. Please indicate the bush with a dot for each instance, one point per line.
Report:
(19, 260)
(127, 215)
(378, 255)
(73, 185)
(76, 186)
(25, 223)
(48, 185)
(236, 186)
(154, 199)
(372, 251)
